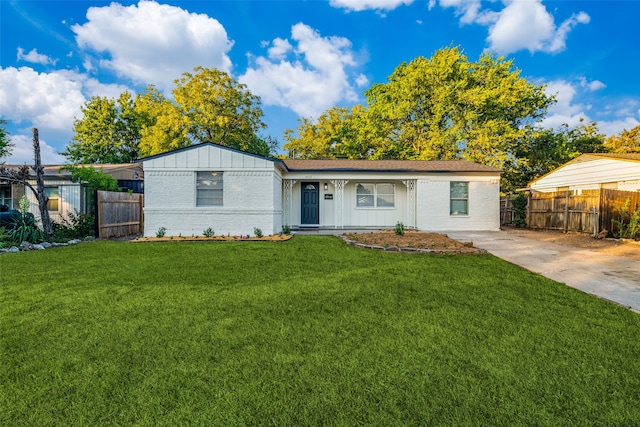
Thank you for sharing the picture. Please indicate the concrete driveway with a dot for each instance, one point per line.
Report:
(613, 278)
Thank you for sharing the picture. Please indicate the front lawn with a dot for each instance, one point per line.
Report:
(304, 332)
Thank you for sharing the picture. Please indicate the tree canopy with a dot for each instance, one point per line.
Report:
(5, 142)
(627, 141)
(543, 150)
(109, 131)
(438, 108)
(207, 106)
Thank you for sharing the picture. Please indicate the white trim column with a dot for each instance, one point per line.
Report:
(339, 184)
(287, 200)
(411, 201)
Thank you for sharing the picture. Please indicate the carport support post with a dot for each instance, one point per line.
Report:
(595, 222)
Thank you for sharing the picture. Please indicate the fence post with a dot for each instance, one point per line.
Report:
(565, 227)
(528, 209)
(595, 222)
(505, 211)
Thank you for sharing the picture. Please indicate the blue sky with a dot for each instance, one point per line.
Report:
(303, 57)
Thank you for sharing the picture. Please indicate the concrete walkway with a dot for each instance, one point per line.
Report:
(613, 278)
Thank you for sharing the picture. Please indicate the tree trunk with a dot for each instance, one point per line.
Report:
(40, 194)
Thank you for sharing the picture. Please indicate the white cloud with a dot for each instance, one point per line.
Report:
(565, 110)
(360, 5)
(593, 85)
(280, 48)
(34, 57)
(611, 119)
(47, 101)
(312, 78)
(22, 152)
(521, 24)
(467, 10)
(526, 24)
(153, 43)
(362, 80)
(614, 127)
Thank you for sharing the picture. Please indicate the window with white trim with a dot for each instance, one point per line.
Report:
(375, 195)
(5, 196)
(209, 188)
(53, 194)
(459, 198)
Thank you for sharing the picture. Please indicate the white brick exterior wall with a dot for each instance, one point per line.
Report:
(251, 194)
(432, 207)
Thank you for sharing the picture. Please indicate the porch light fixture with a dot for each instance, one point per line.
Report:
(326, 186)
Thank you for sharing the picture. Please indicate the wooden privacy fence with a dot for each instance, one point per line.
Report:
(119, 214)
(589, 212)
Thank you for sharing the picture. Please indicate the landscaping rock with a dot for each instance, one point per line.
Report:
(46, 245)
(38, 247)
(26, 246)
(74, 241)
(14, 249)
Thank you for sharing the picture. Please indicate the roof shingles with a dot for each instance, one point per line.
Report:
(295, 165)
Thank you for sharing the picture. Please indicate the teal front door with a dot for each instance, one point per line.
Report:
(310, 203)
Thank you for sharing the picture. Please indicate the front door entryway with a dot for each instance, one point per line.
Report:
(310, 203)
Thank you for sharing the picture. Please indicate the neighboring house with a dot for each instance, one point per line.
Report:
(208, 185)
(65, 196)
(592, 172)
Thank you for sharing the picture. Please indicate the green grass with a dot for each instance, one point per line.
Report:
(304, 332)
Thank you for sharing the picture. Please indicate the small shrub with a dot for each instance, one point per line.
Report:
(208, 232)
(257, 232)
(24, 228)
(399, 229)
(286, 230)
(161, 232)
(519, 203)
(630, 229)
(74, 226)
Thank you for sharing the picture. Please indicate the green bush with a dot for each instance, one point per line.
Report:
(25, 229)
(74, 226)
(286, 230)
(399, 229)
(208, 232)
(161, 232)
(257, 232)
(628, 222)
(519, 203)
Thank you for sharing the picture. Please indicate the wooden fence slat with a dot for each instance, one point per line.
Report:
(568, 212)
(119, 214)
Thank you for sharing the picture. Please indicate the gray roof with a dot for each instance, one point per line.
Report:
(621, 156)
(294, 165)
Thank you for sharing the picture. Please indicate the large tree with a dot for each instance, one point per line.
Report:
(5, 142)
(447, 107)
(108, 132)
(542, 150)
(336, 134)
(207, 106)
(443, 107)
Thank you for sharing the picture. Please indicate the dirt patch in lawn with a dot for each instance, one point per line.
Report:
(622, 248)
(411, 241)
